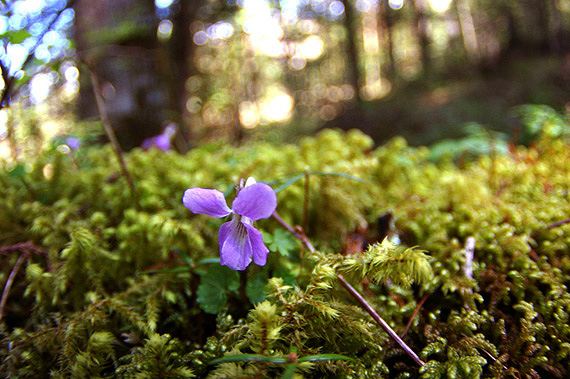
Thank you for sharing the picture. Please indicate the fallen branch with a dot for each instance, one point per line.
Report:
(110, 132)
(303, 238)
(380, 320)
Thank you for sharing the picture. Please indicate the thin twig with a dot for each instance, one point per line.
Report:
(9, 283)
(422, 301)
(27, 248)
(379, 320)
(354, 292)
(557, 224)
(110, 132)
(306, 200)
(299, 234)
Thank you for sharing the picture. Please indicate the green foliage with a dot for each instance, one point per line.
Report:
(477, 141)
(280, 241)
(215, 283)
(109, 288)
(158, 357)
(540, 120)
(386, 261)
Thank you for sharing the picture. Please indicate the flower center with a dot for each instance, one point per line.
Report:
(239, 227)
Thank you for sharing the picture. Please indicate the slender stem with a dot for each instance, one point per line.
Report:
(550, 226)
(379, 320)
(355, 293)
(301, 236)
(9, 283)
(110, 132)
(27, 248)
(306, 200)
(557, 224)
(422, 301)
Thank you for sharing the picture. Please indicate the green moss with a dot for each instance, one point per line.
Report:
(110, 288)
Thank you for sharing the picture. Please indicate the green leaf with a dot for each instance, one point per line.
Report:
(16, 37)
(214, 286)
(289, 278)
(341, 174)
(184, 257)
(325, 357)
(175, 270)
(289, 182)
(249, 358)
(289, 371)
(281, 241)
(18, 172)
(255, 288)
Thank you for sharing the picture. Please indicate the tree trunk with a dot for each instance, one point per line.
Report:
(470, 41)
(353, 53)
(385, 28)
(420, 27)
(180, 66)
(118, 39)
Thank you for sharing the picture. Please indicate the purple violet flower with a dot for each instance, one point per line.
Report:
(239, 240)
(161, 141)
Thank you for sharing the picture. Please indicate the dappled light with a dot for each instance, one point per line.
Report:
(285, 189)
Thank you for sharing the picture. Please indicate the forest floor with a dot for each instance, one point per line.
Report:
(428, 110)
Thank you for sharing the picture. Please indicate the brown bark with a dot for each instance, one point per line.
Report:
(353, 52)
(118, 39)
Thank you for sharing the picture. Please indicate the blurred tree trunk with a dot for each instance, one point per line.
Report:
(386, 33)
(180, 66)
(559, 40)
(421, 20)
(118, 39)
(353, 53)
(468, 33)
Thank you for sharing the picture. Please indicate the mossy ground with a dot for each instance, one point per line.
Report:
(105, 284)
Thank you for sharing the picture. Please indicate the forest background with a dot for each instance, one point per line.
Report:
(425, 69)
(107, 273)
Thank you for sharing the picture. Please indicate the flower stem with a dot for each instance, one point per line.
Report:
(300, 234)
(380, 320)
(306, 200)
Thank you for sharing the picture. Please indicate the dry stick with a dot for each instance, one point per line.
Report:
(554, 225)
(109, 131)
(354, 293)
(27, 248)
(422, 301)
(380, 321)
(299, 234)
(557, 224)
(9, 283)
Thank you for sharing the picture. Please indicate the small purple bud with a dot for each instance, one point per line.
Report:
(73, 143)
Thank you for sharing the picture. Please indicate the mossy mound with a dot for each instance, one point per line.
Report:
(101, 283)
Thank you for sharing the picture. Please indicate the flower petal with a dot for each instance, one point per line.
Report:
(255, 201)
(206, 201)
(258, 248)
(251, 180)
(235, 247)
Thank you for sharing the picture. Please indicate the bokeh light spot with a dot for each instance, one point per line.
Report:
(164, 30)
(200, 38)
(396, 4)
